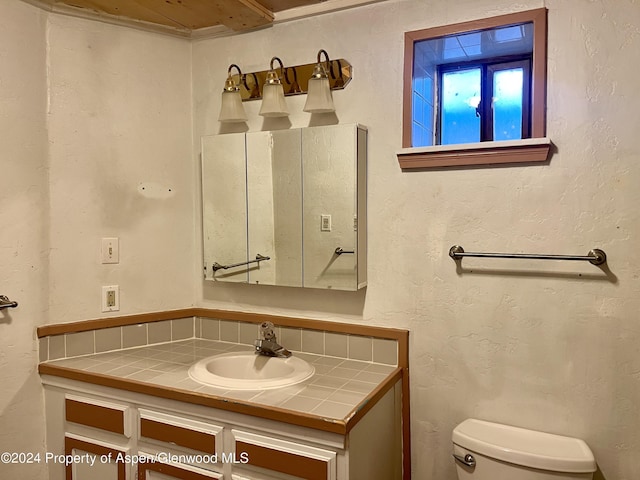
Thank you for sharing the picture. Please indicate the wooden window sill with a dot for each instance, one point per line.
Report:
(529, 150)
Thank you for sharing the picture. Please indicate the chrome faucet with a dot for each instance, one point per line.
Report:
(267, 344)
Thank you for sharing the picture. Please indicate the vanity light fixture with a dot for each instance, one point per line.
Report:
(319, 99)
(231, 109)
(273, 103)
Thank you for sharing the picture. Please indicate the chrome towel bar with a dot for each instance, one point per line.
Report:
(595, 256)
(259, 258)
(6, 303)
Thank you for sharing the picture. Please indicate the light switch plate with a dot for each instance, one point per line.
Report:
(110, 250)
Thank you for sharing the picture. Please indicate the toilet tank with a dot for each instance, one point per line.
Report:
(502, 452)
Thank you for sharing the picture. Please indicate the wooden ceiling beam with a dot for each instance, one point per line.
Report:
(195, 14)
(237, 15)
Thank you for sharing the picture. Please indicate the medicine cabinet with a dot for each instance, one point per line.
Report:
(286, 207)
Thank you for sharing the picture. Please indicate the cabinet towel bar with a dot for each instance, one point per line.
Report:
(595, 256)
(259, 258)
(6, 303)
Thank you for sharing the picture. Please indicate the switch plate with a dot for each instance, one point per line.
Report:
(110, 250)
(325, 223)
(111, 298)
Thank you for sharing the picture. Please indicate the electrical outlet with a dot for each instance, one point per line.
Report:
(111, 298)
(110, 250)
(325, 223)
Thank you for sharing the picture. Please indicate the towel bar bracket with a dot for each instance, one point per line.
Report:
(6, 303)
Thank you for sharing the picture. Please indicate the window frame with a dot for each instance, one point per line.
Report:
(533, 149)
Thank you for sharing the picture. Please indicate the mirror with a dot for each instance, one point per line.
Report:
(274, 206)
(286, 207)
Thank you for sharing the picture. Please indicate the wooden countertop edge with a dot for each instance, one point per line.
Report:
(341, 427)
(369, 402)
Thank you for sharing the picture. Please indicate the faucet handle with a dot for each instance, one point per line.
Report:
(266, 332)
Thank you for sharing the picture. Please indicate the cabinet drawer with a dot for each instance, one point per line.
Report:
(108, 416)
(283, 456)
(185, 432)
(153, 470)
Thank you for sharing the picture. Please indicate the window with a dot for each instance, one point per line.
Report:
(478, 83)
(481, 102)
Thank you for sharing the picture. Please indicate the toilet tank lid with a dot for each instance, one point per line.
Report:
(528, 448)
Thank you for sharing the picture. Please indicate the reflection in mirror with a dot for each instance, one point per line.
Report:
(224, 213)
(274, 205)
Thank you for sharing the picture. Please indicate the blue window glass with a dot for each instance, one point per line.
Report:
(507, 104)
(460, 97)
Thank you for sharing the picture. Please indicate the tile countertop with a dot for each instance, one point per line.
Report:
(336, 390)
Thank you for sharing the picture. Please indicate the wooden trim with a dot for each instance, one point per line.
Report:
(121, 321)
(170, 470)
(538, 69)
(403, 362)
(478, 155)
(539, 74)
(407, 89)
(96, 416)
(284, 462)
(296, 322)
(370, 401)
(73, 443)
(185, 437)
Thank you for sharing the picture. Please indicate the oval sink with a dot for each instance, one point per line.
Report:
(248, 371)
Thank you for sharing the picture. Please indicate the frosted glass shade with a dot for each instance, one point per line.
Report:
(231, 109)
(273, 103)
(319, 99)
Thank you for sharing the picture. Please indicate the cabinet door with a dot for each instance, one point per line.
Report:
(224, 207)
(92, 460)
(275, 456)
(163, 471)
(334, 166)
(274, 206)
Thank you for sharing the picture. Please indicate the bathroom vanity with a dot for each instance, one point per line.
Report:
(146, 419)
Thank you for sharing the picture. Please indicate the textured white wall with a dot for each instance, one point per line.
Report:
(23, 230)
(89, 115)
(547, 345)
(120, 166)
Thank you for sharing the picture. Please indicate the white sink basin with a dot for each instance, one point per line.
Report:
(248, 371)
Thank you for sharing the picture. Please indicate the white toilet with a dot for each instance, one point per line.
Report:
(490, 451)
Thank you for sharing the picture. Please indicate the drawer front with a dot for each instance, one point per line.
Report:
(98, 414)
(157, 470)
(175, 430)
(283, 456)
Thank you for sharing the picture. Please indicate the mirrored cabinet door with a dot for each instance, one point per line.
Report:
(330, 206)
(224, 207)
(274, 205)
